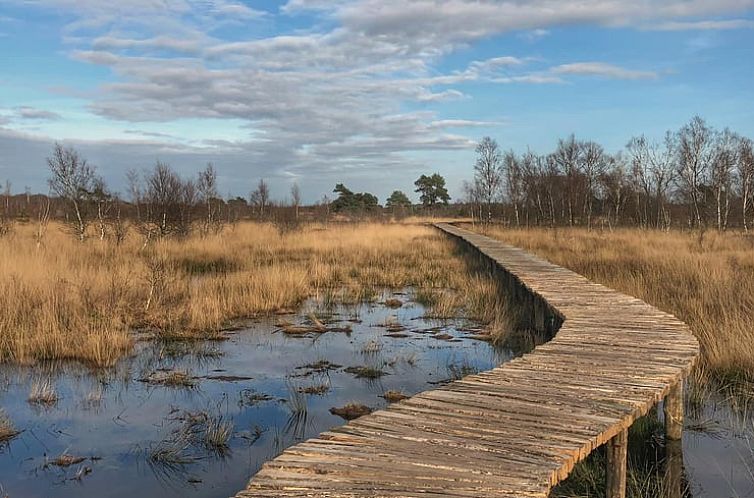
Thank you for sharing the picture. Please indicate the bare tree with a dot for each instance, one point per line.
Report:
(616, 183)
(104, 201)
(662, 168)
(592, 164)
(568, 157)
(73, 181)
(641, 176)
(488, 177)
(472, 195)
(6, 218)
(165, 198)
(295, 197)
(745, 171)
(513, 182)
(119, 223)
(533, 185)
(135, 192)
(721, 174)
(260, 198)
(208, 195)
(694, 158)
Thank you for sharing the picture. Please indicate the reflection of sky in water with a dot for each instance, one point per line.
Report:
(131, 416)
(719, 457)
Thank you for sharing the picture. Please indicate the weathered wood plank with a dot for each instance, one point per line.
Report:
(518, 429)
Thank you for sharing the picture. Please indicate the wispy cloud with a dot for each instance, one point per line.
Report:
(534, 34)
(33, 113)
(333, 92)
(702, 25)
(603, 70)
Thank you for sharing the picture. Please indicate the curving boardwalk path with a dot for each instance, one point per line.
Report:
(518, 429)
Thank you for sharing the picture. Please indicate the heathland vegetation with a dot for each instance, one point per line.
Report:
(704, 278)
(64, 299)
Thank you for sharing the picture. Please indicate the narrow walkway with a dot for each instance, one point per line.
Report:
(513, 431)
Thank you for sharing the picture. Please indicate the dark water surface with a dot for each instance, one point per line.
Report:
(117, 422)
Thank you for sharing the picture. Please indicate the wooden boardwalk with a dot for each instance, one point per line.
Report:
(518, 429)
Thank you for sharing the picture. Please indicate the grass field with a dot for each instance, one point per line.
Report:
(705, 279)
(82, 301)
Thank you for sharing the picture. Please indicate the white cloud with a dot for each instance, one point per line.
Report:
(603, 70)
(534, 34)
(702, 25)
(332, 96)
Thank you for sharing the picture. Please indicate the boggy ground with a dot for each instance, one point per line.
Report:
(64, 299)
(198, 418)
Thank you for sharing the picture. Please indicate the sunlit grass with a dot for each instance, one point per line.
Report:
(82, 301)
(705, 279)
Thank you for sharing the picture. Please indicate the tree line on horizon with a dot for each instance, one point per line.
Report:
(694, 177)
(161, 203)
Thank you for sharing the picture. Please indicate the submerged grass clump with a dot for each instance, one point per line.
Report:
(171, 378)
(198, 433)
(63, 299)
(7, 429)
(43, 393)
(394, 396)
(365, 372)
(351, 411)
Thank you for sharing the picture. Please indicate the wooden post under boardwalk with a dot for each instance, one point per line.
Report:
(674, 412)
(617, 449)
(674, 469)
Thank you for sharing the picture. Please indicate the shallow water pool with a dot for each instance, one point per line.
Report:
(125, 433)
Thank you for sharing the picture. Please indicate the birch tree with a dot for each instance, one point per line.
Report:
(488, 177)
(72, 179)
(745, 173)
(694, 158)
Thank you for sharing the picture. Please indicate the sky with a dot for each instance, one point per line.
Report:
(371, 93)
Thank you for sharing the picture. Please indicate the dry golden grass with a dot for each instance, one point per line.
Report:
(706, 280)
(68, 300)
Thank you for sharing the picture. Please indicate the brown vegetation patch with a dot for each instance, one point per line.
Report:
(394, 396)
(65, 460)
(170, 378)
(365, 372)
(442, 337)
(7, 430)
(351, 411)
(317, 390)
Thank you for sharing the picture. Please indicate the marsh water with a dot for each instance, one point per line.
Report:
(126, 433)
(718, 449)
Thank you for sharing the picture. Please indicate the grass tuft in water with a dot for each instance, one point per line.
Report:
(43, 393)
(7, 429)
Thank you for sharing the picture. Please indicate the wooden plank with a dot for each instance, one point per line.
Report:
(518, 429)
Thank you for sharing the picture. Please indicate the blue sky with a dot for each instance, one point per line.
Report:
(371, 93)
